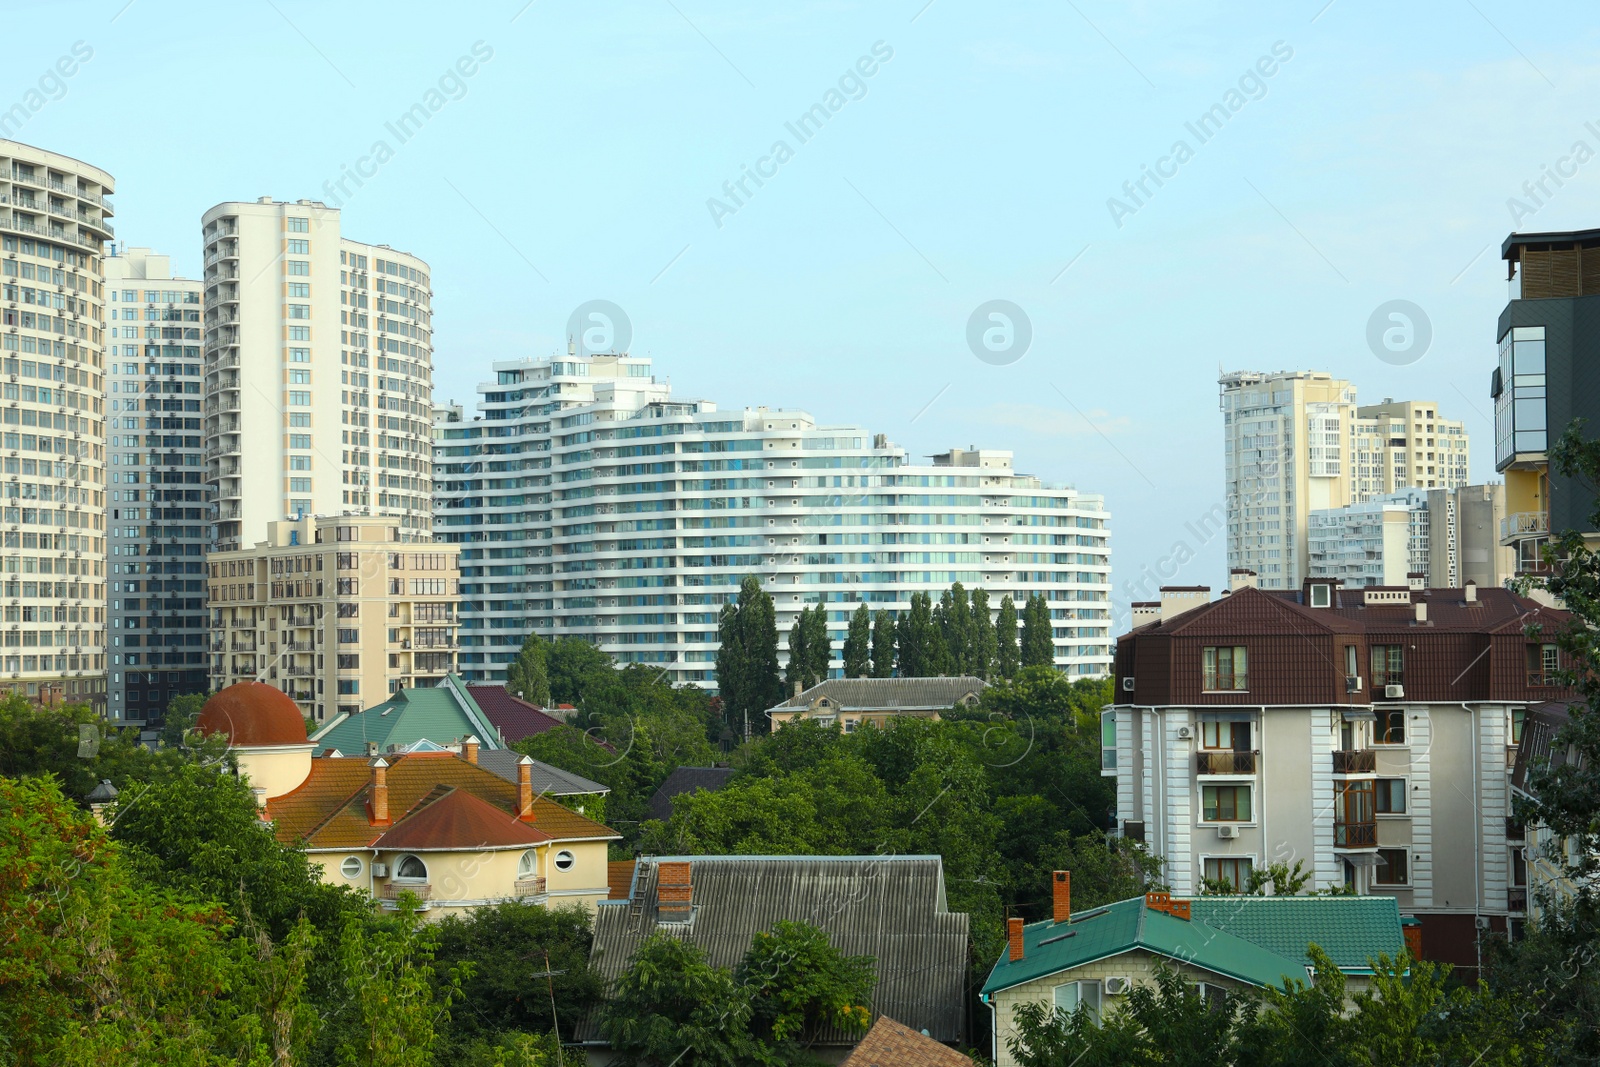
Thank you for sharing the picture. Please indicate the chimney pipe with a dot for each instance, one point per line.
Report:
(372, 748)
(380, 792)
(469, 749)
(1422, 611)
(674, 891)
(1061, 896)
(525, 789)
(1471, 591)
(797, 687)
(1014, 938)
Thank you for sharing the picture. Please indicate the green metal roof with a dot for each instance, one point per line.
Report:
(441, 714)
(1259, 940)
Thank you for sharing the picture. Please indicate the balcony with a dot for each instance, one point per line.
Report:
(1355, 834)
(1541, 679)
(1523, 524)
(1355, 761)
(528, 887)
(1517, 898)
(1225, 762)
(392, 890)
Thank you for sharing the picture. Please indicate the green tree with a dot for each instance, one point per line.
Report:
(395, 1002)
(797, 674)
(938, 661)
(527, 675)
(731, 665)
(857, 644)
(182, 711)
(1007, 656)
(572, 665)
(882, 644)
(671, 1005)
(958, 628)
(1037, 648)
(747, 660)
(985, 649)
(819, 645)
(1282, 879)
(799, 983)
(914, 633)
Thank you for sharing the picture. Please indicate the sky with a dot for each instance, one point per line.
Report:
(1357, 153)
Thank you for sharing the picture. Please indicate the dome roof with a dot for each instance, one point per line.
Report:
(253, 713)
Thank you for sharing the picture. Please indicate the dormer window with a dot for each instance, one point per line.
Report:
(1321, 596)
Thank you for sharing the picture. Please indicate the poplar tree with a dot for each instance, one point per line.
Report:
(1007, 656)
(982, 655)
(747, 657)
(882, 644)
(818, 646)
(1037, 648)
(857, 643)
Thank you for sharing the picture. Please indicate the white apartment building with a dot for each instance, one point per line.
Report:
(319, 371)
(588, 501)
(55, 216)
(160, 507)
(1383, 541)
(1295, 442)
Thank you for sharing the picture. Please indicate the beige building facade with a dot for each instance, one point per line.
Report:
(55, 216)
(319, 372)
(338, 612)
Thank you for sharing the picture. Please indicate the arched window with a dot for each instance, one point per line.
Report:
(411, 869)
(351, 867)
(528, 865)
(565, 860)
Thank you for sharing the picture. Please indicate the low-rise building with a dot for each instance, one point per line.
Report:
(337, 611)
(1368, 733)
(1546, 868)
(850, 702)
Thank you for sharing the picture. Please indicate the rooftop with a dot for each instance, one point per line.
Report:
(889, 694)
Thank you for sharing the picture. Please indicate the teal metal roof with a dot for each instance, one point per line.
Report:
(441, 714)
(1259, 940)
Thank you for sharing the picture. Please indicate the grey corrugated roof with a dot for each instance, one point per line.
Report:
(685, 780)
(547, 780)
(889, 907)
(888, 694)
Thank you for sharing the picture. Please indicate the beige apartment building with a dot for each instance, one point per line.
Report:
(338, 612)
(54, 222)
(318, 372)
(1295, 442)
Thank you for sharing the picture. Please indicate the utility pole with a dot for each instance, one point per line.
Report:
(555, 1024)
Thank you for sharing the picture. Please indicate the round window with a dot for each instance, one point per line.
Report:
(411, 867)
(565, 860)
(351, 867)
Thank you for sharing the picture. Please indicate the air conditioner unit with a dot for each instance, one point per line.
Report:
(1394, 692)
(1127, 685)
(380, 870)
(1481, 922)
(1227, 833)
(1115, 987)
(1184, 733)
(1352, 683)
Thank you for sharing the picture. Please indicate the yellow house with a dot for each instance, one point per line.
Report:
(431, 823)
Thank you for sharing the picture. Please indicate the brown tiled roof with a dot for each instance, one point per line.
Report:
(514, 717)
(887, 694)
(889, 1044)
(619, 878)
(453, 818)
(332, 808)
(253, 713)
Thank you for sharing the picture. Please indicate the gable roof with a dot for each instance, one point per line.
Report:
(548, 780)
(888, 694)
(1258, 940)
(332, 808)
(685, 780)
(514, 717)
(889, 1044)
(889, 907)
(449, 817)
(442, 714)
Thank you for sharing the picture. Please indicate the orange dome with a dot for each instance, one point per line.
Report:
(253, 713)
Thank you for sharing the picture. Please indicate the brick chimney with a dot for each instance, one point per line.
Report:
(1061, 896)
(674, 892)
(469, 750)
(797, 687)
(1014, 938)
(524, 788)
(380, 792)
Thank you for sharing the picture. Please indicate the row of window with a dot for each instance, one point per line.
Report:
(1225, 668)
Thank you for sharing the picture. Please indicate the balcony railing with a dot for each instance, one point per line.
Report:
(1524, 524)
(1355, 761)
(1543, 678)
(1355, 835)
(392, 890)
(1225, 762)
(529, 887)
(1517, 898)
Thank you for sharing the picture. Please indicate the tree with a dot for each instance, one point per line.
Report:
(882, 644)
(797, 674)
(799, 983)
(395, 1001)
(527, 675)
(914, 638)
(1038, 650)
(958, 628)
(731, 664)
(819, 645)
(1007, 656)
(984, 646)
(1283, 880)
(857, 643)
(572, 665)
(673, 1006)
(182, 711)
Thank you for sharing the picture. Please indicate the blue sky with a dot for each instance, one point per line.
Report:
(1375, 163)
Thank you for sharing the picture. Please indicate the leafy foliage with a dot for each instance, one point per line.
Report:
(747, 658)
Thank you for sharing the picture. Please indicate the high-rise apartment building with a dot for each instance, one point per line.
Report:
(160, 507)
(319, 371)
(1296, 441)
(338, 612)
(588, 501)
(1548, 375)
(54, 221)
(1423, 538)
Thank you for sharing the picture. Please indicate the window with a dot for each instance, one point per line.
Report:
(299, 311)
(1391, 796)
(299, 485)
(299, 355)
(299, 377)
(1393, 867)
(1223, 668)
(1234, 870)
(1353, 825)
(1230, 735)
(1519, 718)
(1389, 728)
(300, 419)
(1388, 665)
(299, 268)
(528, 865)
(301, 289)
(411, 869)
(1225, 803)
(300, 396)
(1108, 741)
(299, 247)
(1320, 596)
(299, 225)
(1543, 662)
(299, 463)
(351, 867)
(565, 860)
(1071, 996)
(299, 440)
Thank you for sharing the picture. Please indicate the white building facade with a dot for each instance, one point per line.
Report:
(589, 502)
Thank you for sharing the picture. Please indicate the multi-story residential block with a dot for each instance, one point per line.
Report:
(319, 370)
(160, 508)
(55, 216)
(588, 501)
(1368, 733)
(1295, 442)
(1548, 376)
(1420, 537)
(1464, 530)
(338, 612)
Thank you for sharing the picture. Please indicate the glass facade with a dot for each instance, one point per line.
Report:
(1519, 395)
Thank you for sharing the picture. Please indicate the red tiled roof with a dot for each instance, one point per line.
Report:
(457, 819)
(514, 717)
(889, 1044)
(253, 713)
(619, 878)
